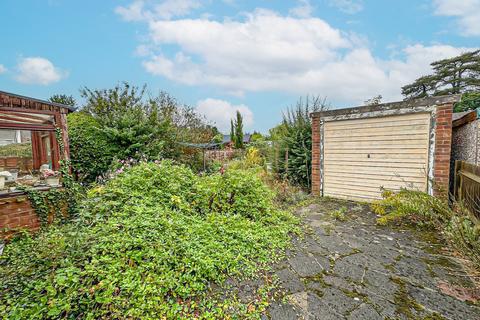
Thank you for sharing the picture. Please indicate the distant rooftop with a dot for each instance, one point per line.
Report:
(227, 139)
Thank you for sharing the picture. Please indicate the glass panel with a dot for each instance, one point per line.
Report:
(23, 156)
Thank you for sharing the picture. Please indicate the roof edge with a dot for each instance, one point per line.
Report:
(54, 104)
(412, 103)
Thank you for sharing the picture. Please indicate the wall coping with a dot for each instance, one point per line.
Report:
(406, 104)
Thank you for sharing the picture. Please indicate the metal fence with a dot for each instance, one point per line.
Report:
(467, 186)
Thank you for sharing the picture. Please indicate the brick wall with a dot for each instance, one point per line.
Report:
(443, 146)
(17, 213)
(315, 155)
(23, 164)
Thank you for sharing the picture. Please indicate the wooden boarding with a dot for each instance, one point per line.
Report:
(467, 187)
(363, 155)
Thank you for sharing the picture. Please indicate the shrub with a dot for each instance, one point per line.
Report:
(235, 192)
(418, 207)
(291, 154)
(339, 214)
(253, 157)
(147, 248)
(163, 185)
(469, 101)
(414, 207)
(91, 152)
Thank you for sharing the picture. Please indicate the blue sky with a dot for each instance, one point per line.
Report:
(220, 56)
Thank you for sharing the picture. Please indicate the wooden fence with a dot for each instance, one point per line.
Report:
(467, 186)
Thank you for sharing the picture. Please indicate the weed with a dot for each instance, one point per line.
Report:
(339, 214)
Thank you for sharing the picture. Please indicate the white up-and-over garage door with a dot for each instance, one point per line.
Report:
(362, 155)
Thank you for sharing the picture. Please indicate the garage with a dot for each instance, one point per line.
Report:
(359, 151)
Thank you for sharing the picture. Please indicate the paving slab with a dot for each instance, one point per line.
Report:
(355, 269)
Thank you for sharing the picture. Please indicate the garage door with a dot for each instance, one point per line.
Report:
(362, 155)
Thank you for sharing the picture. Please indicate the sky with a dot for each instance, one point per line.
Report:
(258, 57)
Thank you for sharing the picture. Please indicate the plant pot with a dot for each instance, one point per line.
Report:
(53, 181)
(2, 182)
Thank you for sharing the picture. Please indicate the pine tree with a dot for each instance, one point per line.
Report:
(239, 131)
(455, 75)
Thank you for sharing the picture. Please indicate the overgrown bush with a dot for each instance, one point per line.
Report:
(469, 101)
(140, 126)
(291, 154)
(418, 208)
(235, 192)
(91, 151)
(149, 246)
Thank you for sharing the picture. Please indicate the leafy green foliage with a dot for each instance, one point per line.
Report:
(469, 101)
(130, 124)
(339, 214)
(232, 132)
(63, 99)
(122, 123)
(149, 245)
(291, 155)
(239, 131)
(419, 207)
(455, 75)
(91, 152)
(459, 226)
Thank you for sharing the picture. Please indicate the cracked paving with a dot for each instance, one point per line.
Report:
(356, 269)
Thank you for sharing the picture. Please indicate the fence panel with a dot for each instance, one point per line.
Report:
(467, 186)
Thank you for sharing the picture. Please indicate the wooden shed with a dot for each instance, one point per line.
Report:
(28, 145)
(357, 151)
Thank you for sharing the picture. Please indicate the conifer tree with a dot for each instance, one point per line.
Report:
(460, 74)
(239, 131)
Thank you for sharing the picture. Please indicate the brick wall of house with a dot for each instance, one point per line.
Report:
(443, 146)
(17, 213)
(316, 155)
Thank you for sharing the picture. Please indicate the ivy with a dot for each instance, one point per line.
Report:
(155, 242)
(56, 203)
(50, 203)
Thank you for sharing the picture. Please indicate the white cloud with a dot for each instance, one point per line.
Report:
(220, 112)
(38, 70)
(347, 6)
(466, 11)
(265, 51)
(303, 10)
(140, 10)
(3, 69)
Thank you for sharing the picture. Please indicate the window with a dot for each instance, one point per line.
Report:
(27, 146)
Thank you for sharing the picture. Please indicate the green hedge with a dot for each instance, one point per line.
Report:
(91, 152)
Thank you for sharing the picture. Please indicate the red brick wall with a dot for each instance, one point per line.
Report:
(24, 164)
(316, 155)
(443, 146)
(16, 213)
